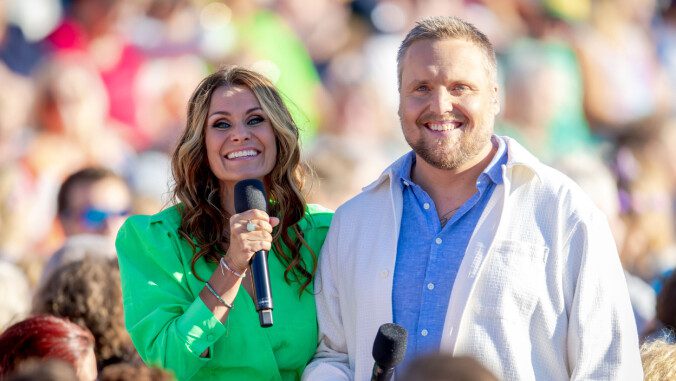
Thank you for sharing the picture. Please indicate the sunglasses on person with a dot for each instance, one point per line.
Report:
(95, 218)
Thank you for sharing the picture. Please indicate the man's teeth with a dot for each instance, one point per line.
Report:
(441, 126)
(236, 154)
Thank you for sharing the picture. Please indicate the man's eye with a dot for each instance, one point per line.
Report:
(255, 120)
(422, 88)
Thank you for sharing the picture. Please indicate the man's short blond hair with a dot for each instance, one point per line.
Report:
(659, 361)
(442, 28)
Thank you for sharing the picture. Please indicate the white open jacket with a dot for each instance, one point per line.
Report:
(540, 293)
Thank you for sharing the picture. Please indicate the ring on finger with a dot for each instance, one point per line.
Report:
(250, 226)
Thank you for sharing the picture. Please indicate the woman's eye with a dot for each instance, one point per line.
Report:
(255, 120)
(221, 124)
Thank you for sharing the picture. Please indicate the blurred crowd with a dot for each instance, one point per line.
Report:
(93, 94)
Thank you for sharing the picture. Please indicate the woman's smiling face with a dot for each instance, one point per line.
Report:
(239, 137)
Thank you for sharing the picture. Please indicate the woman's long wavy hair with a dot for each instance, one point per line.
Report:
(204, 222)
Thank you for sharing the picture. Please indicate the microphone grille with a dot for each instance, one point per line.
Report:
(389, 346)
(250, 194)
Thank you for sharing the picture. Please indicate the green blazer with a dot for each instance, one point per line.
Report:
(171, 326)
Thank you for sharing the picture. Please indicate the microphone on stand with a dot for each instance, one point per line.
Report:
(250, 194)
(389, 349)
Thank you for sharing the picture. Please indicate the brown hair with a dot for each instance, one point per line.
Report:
(447, 27)
(88, 293)
(204, 222)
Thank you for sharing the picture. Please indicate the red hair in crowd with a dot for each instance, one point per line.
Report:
(43, 337)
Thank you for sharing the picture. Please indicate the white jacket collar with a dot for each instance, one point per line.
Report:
(517, 155)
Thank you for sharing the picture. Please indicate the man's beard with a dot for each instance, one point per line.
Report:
(444, 154)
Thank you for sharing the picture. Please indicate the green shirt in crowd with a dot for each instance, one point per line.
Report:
(171, 326)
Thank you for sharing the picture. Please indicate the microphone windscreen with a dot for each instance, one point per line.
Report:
(389, 346)
(250, 194)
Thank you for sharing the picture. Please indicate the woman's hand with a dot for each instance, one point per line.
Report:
(244, 243)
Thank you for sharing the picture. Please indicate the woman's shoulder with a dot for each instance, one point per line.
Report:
(316, 216)
(169, 219)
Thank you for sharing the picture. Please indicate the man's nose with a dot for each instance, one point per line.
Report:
(442, 101)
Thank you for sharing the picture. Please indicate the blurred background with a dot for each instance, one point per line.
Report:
(587, 85)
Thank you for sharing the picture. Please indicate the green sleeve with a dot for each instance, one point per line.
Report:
(167, 321)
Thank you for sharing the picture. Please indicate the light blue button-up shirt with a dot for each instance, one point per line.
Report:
(429, 255)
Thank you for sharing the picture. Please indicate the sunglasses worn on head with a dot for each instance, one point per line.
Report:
(95, 218)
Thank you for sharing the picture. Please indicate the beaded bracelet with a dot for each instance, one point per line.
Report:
(224, 264)
(211, 289)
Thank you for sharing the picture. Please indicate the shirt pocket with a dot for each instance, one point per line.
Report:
(512, 280)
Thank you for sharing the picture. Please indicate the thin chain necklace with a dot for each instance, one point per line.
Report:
(444, 218)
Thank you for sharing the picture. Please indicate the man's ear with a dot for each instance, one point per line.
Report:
(496, 101)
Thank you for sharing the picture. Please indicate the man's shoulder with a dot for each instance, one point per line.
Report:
(554, 189)
(371, 198)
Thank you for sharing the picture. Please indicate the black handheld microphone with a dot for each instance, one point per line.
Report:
(250, 194)
(389, 349)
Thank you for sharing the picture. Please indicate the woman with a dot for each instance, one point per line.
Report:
(186, 293)
(45, 337)
(87, 292)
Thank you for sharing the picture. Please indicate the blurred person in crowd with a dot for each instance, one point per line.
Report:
(15, 294)
(43, 370)
(92, 203)
(469, 242)
(69, 124)
(165, 85)
(88, 292)
(625, 85)
(48, 337)
(91, 27)
(444, 367)
(659, 361)
(646, 188)
(16, 100)
(664, 325)
(71, 114)
(93, 200)
(128, 372)
(186, 290)
(544, 90)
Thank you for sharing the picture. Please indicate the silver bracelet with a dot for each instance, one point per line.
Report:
(211, 289)
(223, 264)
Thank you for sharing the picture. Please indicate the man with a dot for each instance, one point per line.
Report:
(92, 204)
(469, 242)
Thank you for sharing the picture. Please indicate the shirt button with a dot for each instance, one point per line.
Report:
(423, 332)
(426, 206)
(210, 337)
(405, 182)
(438, 241)
(430, 286)
(384, 274)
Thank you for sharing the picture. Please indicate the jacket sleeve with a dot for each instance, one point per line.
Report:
(169, 326)
(602, 336)
(331, 360)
